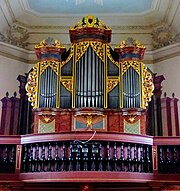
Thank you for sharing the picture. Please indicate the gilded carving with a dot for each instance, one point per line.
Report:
(81, 48)
(98, 47)
(49, 42)
(47, 118)
(111, 84)
(110, 57)
(62, 63)
(131, 63)
(67, 83)
(32, 86)
(148, 86)
(130, 42)
(52, 64)
(90, 21)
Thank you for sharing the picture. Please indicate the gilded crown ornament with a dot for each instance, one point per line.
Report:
(49, 49)
(88, 29)
(130, 48)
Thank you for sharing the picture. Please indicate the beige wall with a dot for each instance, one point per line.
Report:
(170, 68)
(9, 71)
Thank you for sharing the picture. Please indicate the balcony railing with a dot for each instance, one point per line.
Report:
(89, 156)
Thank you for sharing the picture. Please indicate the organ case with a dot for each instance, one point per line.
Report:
(90, 81)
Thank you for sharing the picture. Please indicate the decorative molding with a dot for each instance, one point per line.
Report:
(125, 27)
(67, 83)
(164, 35)
(112, 83)
(16, 35)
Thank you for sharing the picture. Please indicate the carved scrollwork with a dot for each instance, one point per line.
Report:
(110, 57)
(67, 83)
(134, 64)
(49, 42)
(62, 63)
(32, 86)
(81, 49)
(148, 86)
(98, 47)
(163, 35)
(111, 84)
(130, 42)
(16, 35)
(90, 21)
(52, 64)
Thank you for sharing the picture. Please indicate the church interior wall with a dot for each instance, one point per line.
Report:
(9, 71)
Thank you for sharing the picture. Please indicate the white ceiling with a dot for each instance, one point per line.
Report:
(41, 13)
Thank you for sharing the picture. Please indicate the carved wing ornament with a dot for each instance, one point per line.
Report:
(131, 63)
(52, 64)
(147, 86)
(32, 86)
(81, 48)
(110, 56)
(112, 83)
(98, 47)
(68, 84)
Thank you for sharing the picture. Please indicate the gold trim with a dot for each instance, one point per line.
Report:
(38, 90)
(74, 78)
(54, 43)
(90, 22)
(130, 42)
(32, 86)
(131, 63)
(62, 63)
(147, 86)
(67, 83)
(99, 49)
(110, 57)
(52, 64)
(81, 48)
(112, 82)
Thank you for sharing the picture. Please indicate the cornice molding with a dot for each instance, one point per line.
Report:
(166, 53)
(29, 57)
(135, 27)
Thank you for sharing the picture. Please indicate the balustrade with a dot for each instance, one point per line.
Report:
(7, 158)
(169, 159)
(91, 156)
(69, 153)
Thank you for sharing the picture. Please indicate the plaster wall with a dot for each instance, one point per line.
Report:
(170, 68)
(9, 71)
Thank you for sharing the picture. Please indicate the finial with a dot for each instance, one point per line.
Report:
(15, 94)
(7, 94)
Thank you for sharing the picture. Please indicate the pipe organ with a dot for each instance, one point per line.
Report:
(90, 85)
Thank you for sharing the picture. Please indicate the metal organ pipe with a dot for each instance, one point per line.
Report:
(46, 88)
(89, 80)
(93, 80)
(131, 89)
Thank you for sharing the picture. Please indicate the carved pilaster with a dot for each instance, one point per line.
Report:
(25, 109)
